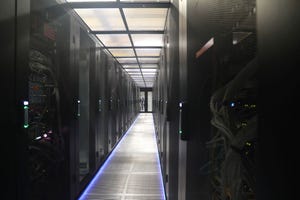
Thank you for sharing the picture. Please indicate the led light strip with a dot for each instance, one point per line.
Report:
(103, 167)
(162, 188)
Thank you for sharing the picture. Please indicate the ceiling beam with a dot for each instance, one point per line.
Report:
(118, 5)
(131, 40)
(127, 32)
(130, 47)
(141, 64)
(138, 57)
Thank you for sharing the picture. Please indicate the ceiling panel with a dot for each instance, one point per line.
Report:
(144, 0)
(148, 52)
(114, 40)
(108, 23)
(127, 60)
(147, 39)
(122, 52)
(102, 19)
(130, 66)
(149, 70)
(154, 66)
(91, 0)
(145, 18)
(149, 60)
(133, 70)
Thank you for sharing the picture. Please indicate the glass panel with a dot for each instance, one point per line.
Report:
(113, 40)
(147, 39)
(121, 52)
(149, 70)
(132, 70)
(127, 60)
(145, 0)
(89, 0)
(148, 60)
(146, 18)
(149, 77)
(130, 66)
(148, 52)
(149, 66)
(102, 19)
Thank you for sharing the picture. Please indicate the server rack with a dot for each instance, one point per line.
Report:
(58, 101)
(221, 42)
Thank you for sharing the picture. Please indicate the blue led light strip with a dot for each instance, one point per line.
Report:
(105, 164)
(162, 188)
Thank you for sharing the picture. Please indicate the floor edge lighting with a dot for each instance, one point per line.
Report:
(99, 172)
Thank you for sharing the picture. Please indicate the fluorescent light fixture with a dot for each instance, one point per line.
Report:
(122, 52)
(154, 66)
(130, 66)
(149, 70)
(132, 70)
(146, 18)
(148, 52)
(114, 40)
(102, 18)
(90, 0)
(145, 1)
(127, 60)
(147, 39)
(148, 60)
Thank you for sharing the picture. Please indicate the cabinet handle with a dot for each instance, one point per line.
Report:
(78, 108)
(99, 105)
(183, 130)
(26, 115)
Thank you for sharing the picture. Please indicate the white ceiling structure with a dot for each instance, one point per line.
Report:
(131, 30)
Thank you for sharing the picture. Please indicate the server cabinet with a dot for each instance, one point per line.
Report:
(104, 103)
(100, 133)
(46, 147)
(14, 19)
(221, 122)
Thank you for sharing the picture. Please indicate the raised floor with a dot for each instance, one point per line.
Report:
(132, 171)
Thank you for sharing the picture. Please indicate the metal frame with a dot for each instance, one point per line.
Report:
(131, 47)
(127, 32)
(120, 5)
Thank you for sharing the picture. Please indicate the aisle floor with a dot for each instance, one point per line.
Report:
(132, 171)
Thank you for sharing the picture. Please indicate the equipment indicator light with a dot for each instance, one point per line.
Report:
(37, 138)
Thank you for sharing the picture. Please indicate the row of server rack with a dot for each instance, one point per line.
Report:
(205, 100)
(74, 101)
